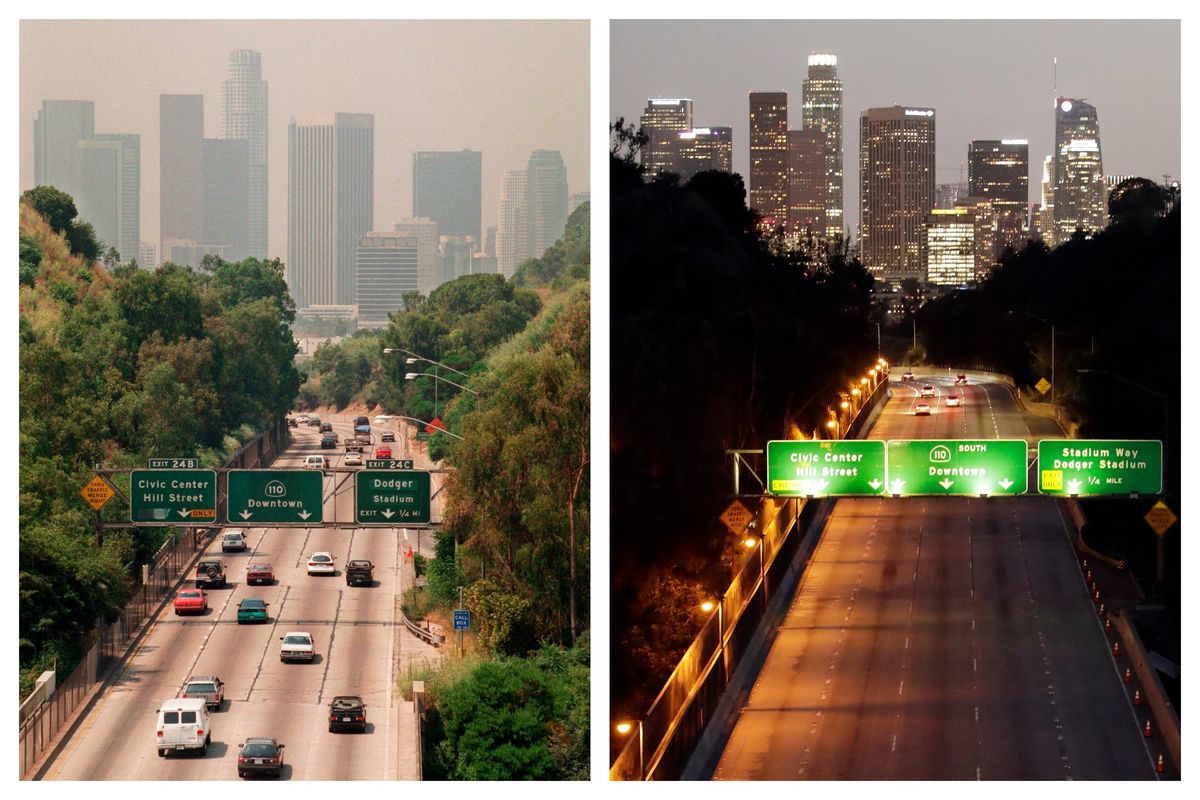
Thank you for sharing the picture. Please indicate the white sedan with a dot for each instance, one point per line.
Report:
(321, 563)
(953, 400)
(922, 409)
(297, 646)
(927, 391)
(353, 459)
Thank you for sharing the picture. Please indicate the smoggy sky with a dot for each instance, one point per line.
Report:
(986, 80)
(503, 88)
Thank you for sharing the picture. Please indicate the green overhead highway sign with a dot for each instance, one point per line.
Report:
(1082, 467)
(956, 467)
(826, 467)
(269, 496)
(173, 496)
(391, 497)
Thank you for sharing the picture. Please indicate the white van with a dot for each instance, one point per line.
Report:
(183, 724)
(315, 462)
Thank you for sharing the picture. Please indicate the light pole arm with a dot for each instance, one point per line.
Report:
(440, 378)
(423, 358)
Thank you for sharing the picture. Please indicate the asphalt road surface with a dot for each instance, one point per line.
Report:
(940, 638)
(360, 644)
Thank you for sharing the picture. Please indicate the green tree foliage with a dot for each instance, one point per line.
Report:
(566, 261)
(59, 210)
(31, 258)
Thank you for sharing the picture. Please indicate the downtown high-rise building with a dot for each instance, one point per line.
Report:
(661, 120)
(448, 189)
(1080, 201)
(227, 197)
(701, 150)
(546, 200)
(769, 157)
(896, 189)
(429, 259)
(950, 246)
(808, 186)
(998, 169)
(244, 98)
(385, 266)
(822, 110)
(59, 128)
(512, 229)
(331, 204)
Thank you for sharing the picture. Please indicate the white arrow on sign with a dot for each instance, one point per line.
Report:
(304, 515)
(1072, 487)
(945, 483)
(388, 513)
(245, 515)
(1004, 484)
(183, 512)
(897, 485)
(875, 484)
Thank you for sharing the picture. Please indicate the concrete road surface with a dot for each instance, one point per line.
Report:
(940, 638)
(360, 645)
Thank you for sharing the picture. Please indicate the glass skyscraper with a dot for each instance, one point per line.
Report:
(769, 157)
(662, 119)
(1080, 201)
(998, 169)
(244, 94)
(822, 110)
(448, 189)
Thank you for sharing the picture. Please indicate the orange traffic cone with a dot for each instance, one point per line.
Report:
(1137, 697)
(1107, 625)
(1085, 563)
(1116, 649)
(1089, 578)
(1102, 612)
(1159, 767)
(1096, 597)
(1147, 733)
(1128, 675)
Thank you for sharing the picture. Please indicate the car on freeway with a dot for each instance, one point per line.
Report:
(314, 422)
(360, 572)
(954, 400)
(252, 609)
(208, 688)
(260, 572)
(348, 711)
(383, 452)
(328, 441)
(233, 541)
(387, 436)
(927, 391)
(260, 755)
(191, 601)
(209, 573)
(302, 419)
(326, 427)
(315, 461)
(183, 724)
(353, 458)
(321, 563)
(293, 422)
(922, 409)
(297, 646)
(908, 376)
(960, 379)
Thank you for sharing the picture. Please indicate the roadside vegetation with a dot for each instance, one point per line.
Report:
(119, 364)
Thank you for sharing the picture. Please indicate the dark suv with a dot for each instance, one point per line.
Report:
(347, 711)
(209, 574)
(360, 573)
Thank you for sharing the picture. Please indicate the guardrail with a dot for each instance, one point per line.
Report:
(671, 728)
(424, 633)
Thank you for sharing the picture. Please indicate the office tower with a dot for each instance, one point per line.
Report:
(822, 111)
(546, 200)
(511, 233)
(769, 156)
(331, 196)
(808, 185)
(448, 189)
(227, 196)
(999, 170)
(1046, 209)
(1079, 197)
(458, 256)
(896, 180)
(146, 257)
(950, 246)
(578, 199)
(947, 195)
(483, 264)
(429, 259)
(244, 96)
(703, 149)
(109, 191)
(987, 233)
(489, 241)
(385, 267)
(59, 128)
(661, 120)
(180, 169)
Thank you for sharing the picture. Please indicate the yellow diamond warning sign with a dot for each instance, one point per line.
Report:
(1042, 386)
(736, 517)
(1160, 517)
(97, 492)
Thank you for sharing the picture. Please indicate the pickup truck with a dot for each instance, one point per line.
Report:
(209, 687)
(210, 573)
(360, 573)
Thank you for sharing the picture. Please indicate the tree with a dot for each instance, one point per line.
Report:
(625, 142)
(1137, 201)
(57, 207)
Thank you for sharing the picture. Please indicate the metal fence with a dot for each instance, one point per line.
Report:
(111, 638)
(665, 737)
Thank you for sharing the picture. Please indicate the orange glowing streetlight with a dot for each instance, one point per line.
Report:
(624, 727)
(707, 606)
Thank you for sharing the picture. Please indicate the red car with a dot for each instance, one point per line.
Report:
(260, 572)
(191, 601)
(383, 452)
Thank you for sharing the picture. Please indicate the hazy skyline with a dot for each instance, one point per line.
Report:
(986, 80)
(503, 88)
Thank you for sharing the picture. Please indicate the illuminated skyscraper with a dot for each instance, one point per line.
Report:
(702, 149)
(823, 111)
(896, 180)
(769, 156)
(807, 184)
(950, 246)
(1080, 201)
(661, 121)
(244, 97)
(999, 170)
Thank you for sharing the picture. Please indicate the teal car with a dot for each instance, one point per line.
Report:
(251, 610)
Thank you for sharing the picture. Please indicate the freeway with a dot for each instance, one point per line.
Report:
(940, 638)
(359, 640)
